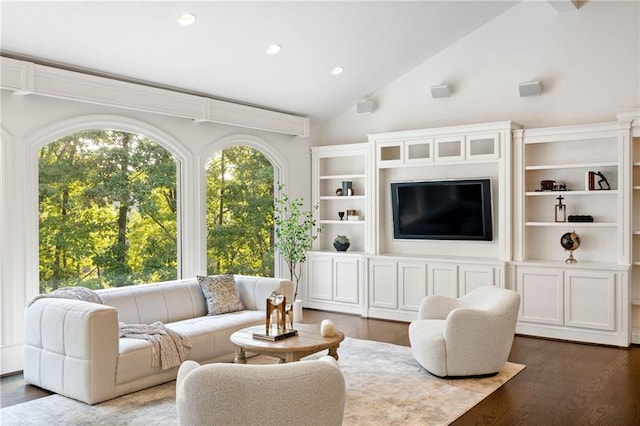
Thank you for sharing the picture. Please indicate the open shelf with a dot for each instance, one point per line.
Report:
(338, 177)
(572, 166)
(557, 193)
(342, 222)
(574, 224)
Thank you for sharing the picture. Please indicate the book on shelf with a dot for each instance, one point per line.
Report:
(589, 181)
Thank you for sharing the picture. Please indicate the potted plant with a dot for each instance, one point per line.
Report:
(341, 243)
(293, 232)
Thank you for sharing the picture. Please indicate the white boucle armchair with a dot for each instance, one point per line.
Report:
(309, 393)
(469, 336)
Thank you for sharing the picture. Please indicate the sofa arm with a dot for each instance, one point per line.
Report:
(436, 307)
(254, 291)
(71, 348)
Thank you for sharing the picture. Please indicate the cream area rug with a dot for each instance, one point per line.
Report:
(385, 386)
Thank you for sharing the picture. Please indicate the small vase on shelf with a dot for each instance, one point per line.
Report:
(341, 243)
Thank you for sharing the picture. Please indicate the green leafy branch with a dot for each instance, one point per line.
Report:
(294, 233)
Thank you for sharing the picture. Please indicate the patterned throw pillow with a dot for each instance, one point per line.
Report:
(221, 294)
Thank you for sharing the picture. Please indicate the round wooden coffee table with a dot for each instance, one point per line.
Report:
(307, 342)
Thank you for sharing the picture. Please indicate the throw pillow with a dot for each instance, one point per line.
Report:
(221, 294)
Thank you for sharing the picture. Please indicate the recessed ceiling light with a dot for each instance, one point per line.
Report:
(337, 71)
(273, 49)
(187, 19)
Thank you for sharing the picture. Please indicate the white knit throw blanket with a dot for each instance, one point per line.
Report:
(169, 348)
(76, 293)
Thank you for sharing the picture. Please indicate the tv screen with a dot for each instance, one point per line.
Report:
(442, 210)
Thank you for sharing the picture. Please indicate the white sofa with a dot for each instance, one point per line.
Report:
(73, 347)
(301, 393)
(469, 336)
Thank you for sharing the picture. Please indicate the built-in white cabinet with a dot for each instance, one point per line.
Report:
(589, 174)
(334, 282)
(573, 303)
(573, 179)
(397, 285)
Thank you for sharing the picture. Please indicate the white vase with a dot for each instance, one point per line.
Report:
(297, 311)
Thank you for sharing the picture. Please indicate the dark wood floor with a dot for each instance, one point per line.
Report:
(563, 384)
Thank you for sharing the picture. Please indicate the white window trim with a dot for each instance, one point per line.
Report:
(279, 176)
(124, 124)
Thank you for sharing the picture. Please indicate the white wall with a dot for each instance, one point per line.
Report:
(587, 61)
(24, 121)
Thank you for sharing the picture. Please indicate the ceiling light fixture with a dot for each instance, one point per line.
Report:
(187, 19)
(273, 49)
(337, 71)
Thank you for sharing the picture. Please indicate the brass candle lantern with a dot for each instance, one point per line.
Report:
(276, 303)
(279, 319)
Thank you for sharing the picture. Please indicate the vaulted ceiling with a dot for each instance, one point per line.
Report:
(223, 53)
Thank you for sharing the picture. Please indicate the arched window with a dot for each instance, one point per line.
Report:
(239, 200)
(107, 211)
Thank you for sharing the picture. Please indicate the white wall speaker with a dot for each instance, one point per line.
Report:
(366, 107)
(530, 88)
(441, 91)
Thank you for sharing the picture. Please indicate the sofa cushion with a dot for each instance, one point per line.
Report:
(165, 302)
(210, 338)
(221, 294)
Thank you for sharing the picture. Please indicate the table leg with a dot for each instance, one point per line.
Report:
(240, 357)
(333, 351)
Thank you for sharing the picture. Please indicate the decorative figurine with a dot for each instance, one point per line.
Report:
(561, 210)
(603, 181)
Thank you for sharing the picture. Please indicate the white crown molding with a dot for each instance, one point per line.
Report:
(27, 78)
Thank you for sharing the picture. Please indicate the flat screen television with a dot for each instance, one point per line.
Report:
(457, 209)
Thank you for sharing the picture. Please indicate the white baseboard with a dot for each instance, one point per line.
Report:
(11, 359)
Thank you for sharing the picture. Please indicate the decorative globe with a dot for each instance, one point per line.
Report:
(570, 241)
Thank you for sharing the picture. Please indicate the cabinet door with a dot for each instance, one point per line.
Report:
(412, 281)
(383, 284)
(590, 299)
(450, 148)
(541, 295)
(390, 153)
(482, 146)
(346, 279)
(474, 276)
(443, 280)
(418, 151)
(320, 278)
